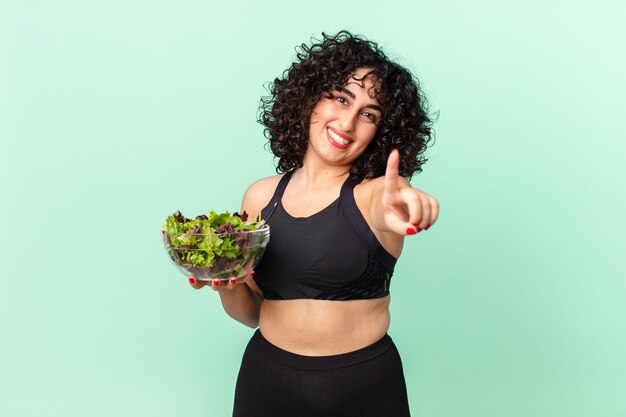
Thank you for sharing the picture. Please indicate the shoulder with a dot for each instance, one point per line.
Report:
(259, 194)
(262, 189)
(368, 187)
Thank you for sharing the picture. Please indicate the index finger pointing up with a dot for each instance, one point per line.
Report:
(391, 173)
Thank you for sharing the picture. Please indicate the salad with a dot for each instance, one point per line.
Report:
(215, 245)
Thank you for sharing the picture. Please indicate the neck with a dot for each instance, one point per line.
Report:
(315, 175)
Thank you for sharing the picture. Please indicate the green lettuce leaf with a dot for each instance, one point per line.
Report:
(197, 243)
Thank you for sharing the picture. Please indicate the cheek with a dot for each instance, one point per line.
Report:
(315, 119)
(368, 133)
(325, 109)
(320, 116)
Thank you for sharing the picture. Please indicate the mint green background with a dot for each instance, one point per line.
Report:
(114, 114)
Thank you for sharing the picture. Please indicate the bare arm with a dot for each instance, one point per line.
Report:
(241, 304)
(241, 298)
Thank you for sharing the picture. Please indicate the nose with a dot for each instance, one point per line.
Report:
(347, 121)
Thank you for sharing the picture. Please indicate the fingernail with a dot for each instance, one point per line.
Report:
(427, 227)
(251, 274)
(192, 280)
(233, 281)
(216, 282)
(419, 230)
(410, 231)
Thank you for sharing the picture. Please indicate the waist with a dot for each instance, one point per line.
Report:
(302, 362)
(321, 327)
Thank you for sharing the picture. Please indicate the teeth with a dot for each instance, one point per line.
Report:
(337, 138)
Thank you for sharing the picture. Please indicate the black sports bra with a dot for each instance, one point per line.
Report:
(330, 255)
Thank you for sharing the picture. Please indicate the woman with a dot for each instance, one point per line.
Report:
(347, 125)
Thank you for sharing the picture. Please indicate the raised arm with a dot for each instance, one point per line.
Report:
(398, 208)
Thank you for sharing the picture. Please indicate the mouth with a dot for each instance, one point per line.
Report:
(336, 139)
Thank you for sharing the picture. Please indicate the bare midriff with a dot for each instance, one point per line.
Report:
(321, 327)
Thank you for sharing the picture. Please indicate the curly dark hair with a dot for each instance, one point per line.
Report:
(326, 65)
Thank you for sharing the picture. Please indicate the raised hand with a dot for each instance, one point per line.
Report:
(405, 210)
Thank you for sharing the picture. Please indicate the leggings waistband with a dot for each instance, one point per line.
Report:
(301, 362)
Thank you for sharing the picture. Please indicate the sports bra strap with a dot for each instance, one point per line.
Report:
(282, 185)
(348, 204)
(278, 194)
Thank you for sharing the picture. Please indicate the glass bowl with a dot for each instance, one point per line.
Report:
(247, 248)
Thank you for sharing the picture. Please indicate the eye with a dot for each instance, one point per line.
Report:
(370, 116)
(342, 100)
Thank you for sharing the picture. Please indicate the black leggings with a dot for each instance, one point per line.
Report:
(273, 382)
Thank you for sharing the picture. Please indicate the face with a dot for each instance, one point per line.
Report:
(344, 124)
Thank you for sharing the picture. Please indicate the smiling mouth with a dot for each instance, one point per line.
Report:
(336, 139)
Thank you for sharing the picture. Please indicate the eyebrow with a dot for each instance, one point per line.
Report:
(351, 94)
